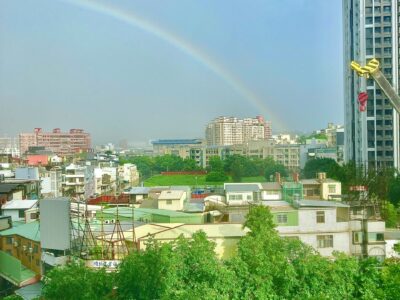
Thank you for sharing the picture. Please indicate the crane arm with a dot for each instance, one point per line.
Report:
(372, 69)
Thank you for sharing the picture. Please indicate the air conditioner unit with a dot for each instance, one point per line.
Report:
(15, 244)
(30, 250)
(24, 247)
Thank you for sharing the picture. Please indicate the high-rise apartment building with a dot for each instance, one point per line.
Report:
(371, 31)
(61, 143)
(225, 131)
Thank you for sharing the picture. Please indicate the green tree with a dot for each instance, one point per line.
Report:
(76, 282)
(394, 191)
(390, 215)
(215, 164)
(216, 176)
(314, 166)
(272, 168)
(391, 278)
(190, 164)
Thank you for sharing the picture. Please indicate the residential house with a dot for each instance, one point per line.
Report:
(172, 200)
(242, 193)
(16, 208)
(321, 188)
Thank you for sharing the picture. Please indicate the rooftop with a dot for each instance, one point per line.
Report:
(137, 190)
(242, 187)
(171, 195)
(27, 230)
(319, 203)
(19, 204)
(177, 142)
(271, 185)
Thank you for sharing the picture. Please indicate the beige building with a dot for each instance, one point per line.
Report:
(287, 155)
(171, 200)
(321, 188)
(225, 131)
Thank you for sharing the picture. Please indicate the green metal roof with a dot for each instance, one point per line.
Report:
(27, 230)
(13, 270)
(127, 212)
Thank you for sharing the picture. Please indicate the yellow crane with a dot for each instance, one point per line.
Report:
(371, 69)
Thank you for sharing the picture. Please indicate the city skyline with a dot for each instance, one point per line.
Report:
(87, 64)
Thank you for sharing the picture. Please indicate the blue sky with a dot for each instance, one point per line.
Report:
(62, 65)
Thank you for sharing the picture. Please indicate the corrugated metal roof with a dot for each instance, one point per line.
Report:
(242, 187)
(27, 230)
(19, 204)
(271, 186)
(138, 191)
(319, 203)
(171, 195)
(8, 187)
(211, 230)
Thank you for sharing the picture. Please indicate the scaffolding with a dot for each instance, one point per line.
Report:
(97, 237)
(292, 191)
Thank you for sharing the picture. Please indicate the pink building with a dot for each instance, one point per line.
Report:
(61, 143)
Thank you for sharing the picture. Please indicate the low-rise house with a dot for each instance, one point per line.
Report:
(225, 236)
(242, 193)
(271, 191)
(137, 194)
(321, 188)
(16, 208)
(20, 254)
(172, 200)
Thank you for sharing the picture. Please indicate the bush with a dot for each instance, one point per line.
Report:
(216, 176)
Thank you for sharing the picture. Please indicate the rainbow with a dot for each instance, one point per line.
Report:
(183, 46)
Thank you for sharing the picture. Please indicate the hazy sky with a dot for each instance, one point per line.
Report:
(141, 70)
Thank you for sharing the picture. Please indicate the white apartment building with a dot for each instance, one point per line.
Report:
(225, 131)
(79, 181)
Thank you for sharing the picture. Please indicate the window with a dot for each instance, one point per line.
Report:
(236, 197)
(368, 20)
(21, 213)
(368, 10)
(281, 218)
(331, 188)
(320, 217)
(386, 9)
(387, 19)
(9, 240)
(374, 237)
(377, 40)
(169, 201)
(387, 39)
(324, 241)
(387, 29)
(377, 9)
(357, 237)
(377, 30)
(377, 20)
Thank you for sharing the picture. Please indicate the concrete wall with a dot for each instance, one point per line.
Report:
(325, 189)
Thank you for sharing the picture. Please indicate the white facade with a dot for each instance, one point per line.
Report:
(79, 180)
(171, 200)
(224, 131)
